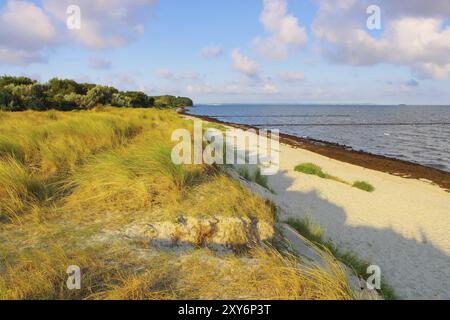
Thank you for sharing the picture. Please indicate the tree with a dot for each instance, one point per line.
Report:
(63, 87)
(73, 101)
(139, 99)
(17, 81)
(172, 102)
(21, 93)
(35, 97)
(6, 100)
(99, 95)
(184, 102)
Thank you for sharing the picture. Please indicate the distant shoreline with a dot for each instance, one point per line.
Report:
(344, 153)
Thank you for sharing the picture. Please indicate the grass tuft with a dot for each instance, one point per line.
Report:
(365, 186)
(314, 233)
(256, 177)
(10, 147)
(312, 169)
(260, 179)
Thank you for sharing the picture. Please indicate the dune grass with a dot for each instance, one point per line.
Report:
(315, 233)
(244, 172)
(71, 184)
(119, 273)
(313, 169)
(255, 176)
(363, 185)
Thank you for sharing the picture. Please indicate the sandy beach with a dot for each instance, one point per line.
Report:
(403, 226)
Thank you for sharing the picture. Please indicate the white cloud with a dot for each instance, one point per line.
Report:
(284, 30)
(411, 38)
(105, 24)
(25, 31)
(292, 76)
(211, 52)
(244, 64)
(434, 71)
(270, 88)
(28, 30)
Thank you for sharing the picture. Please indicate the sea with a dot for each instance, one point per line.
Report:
(419, 134)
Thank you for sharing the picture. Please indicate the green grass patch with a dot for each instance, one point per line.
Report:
(363, 185)
(314, 233)
(313, 169)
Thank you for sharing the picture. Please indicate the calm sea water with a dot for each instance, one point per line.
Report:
(418, 134)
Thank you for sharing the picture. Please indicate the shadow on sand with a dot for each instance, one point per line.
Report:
(415, 269)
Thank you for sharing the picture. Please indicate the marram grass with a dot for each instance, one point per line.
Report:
(71, 183)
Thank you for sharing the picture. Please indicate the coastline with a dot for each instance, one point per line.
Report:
(401, 227)
(346, 154)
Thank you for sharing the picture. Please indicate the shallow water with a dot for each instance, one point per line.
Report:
(418, 134)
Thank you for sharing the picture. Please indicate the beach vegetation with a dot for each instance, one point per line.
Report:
(260, 179)
(312, 231)
(313, 169)
(254, 175)
(21, 93)
(363, 185)
(244, 172)
(74, 186)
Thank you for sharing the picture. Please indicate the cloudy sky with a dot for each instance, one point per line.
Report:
(288, 51)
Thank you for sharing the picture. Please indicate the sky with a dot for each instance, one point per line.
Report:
(237, 51)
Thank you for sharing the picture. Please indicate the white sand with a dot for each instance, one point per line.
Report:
(403, 226)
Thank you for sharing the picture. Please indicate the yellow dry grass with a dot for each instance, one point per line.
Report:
(70, 182)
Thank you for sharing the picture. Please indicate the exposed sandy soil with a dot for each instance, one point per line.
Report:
(403, 226)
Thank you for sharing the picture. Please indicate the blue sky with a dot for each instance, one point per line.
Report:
(290, 51)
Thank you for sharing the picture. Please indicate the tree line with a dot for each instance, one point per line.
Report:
(22, 93)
